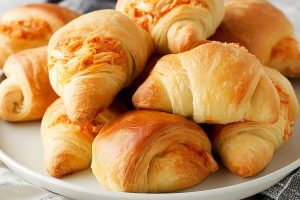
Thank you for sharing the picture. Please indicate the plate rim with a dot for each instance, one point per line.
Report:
(24, 172)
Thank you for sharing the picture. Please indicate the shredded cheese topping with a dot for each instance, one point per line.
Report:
(284, 99)
(26, 29)
(77, 54)
(146, 13)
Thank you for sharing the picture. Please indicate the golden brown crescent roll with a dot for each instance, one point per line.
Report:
(30, 26)
(265, 31)
(247, 147)
(175, 25)
(26, 92)
(93, 57)
(68, 146)
(212, 83)
(150, 151)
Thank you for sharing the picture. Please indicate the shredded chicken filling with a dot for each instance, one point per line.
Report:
(26, 29)
(90, 129)
(284, 99)
(287, 129)
(147, 13)
(286, 47)
(77, 54)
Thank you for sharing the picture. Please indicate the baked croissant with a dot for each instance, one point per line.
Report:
(68, 146)
(265, 31)
(212, 83)
(30, 26)
(26, 92)
(150, 151)
(175, 25)
(247, 147)
(92, 58)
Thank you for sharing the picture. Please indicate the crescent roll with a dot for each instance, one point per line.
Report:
(26, 92)
(68, 146)
(150, 151)
(212, 83)
(92, 58)
(30, 26)
(247, 147)
(175, 25)
(265, 31)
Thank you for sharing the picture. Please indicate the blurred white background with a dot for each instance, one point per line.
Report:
(7, 4)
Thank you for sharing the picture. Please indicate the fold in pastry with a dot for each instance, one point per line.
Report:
(246, 148)
(93, 57)
(30, 26)
(26, 92)
(265, 31)
(150, 151)
(213, 83)
(68, 146)
(126, 93)
(175, 25)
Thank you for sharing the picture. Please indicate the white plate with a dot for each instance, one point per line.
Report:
(22, 152)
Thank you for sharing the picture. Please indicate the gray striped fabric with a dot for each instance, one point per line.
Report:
(85, 6)
(14, 188)
(287, 189)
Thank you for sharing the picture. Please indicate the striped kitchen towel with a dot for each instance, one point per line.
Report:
(85, 6)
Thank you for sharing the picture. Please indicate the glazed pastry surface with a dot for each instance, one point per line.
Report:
(26, 92)
(89, 64)
(149, 151)
(265, 31)
(214, 83)
(246, 148)
(68, 146)
(175, 25)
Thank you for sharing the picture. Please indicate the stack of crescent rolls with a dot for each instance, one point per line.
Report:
(126, 91)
